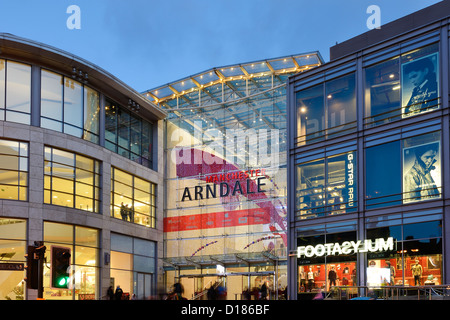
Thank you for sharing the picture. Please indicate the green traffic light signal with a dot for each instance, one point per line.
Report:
(62, 282)
(60, 267)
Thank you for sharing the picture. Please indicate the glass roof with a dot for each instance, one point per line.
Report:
(208, 84)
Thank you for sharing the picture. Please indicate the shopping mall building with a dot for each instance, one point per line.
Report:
(369, 160)
(77, 148)
(225, 176)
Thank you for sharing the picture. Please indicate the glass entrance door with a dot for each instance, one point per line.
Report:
(143, 286)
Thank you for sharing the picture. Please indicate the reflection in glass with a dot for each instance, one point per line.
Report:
(127, 134)
(382, 92)
(51, 97)
(18, 92)
(310, 114)
(341, 103)
(91, 115)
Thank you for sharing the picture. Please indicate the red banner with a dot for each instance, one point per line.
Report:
(217, 220)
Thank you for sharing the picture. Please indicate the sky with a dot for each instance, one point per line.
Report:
(150, 43)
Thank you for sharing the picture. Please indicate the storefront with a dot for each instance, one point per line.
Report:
(369, 143)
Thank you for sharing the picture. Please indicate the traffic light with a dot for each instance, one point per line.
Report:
(35, 257)
(60, 267)
(32, 268)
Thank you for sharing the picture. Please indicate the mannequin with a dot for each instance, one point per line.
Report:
(310, 279)
(302, 279)
(332, 277)
(392, 272)
(417, 273)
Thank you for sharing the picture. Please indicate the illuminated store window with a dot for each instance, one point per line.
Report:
(320, 270)
(133, 199)
(68, 106)
(326, 186)
(71, 180)
(83, 248)
(13, 170)
(133, 266)
(416, 260)
(13, 235)
(411, 173)
(15, 91)
(326, 110)
(127, 134)
(403, 86)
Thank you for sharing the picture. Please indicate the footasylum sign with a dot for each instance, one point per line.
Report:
(347, 247)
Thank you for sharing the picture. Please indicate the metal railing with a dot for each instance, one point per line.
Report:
(441, 292)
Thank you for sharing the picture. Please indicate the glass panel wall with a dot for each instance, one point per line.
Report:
(411, 173)
(68, 106)
(416, 260)
(127, 134)
(133, 266)
(84, 247)
(13, 235)
(13, 170)
(71, 180)
(326, 186)
(133, 199)
(319, 267)
(15, 91)
(402, 86)
(326, 110)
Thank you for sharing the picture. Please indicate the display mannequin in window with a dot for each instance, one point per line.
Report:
(423, 78)
(332, 277)
(302, 279)
(417, 271)
(310, 279)
(419, 184)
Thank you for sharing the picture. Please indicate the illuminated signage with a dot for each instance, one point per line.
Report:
(347, 247)
(230, 184)
(350, 179)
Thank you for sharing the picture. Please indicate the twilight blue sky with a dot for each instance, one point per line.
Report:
(149, 43)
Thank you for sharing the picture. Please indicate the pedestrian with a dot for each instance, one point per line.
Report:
(177, 293)
(263, 291)
(118, 294)
(110, 293)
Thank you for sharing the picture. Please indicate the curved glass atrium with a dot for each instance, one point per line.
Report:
(225, 155)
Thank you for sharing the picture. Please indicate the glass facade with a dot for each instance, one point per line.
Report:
(71, 180)
(69, 106)
(13, 235)
(133, 199)
(127, 134)
(13, 170)
(327, 186)
(369, 136)
(133, 266)
(58, 126)
(402, 86)
(84, 247)
(417, 260)
(15, 91)
(226, 176)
